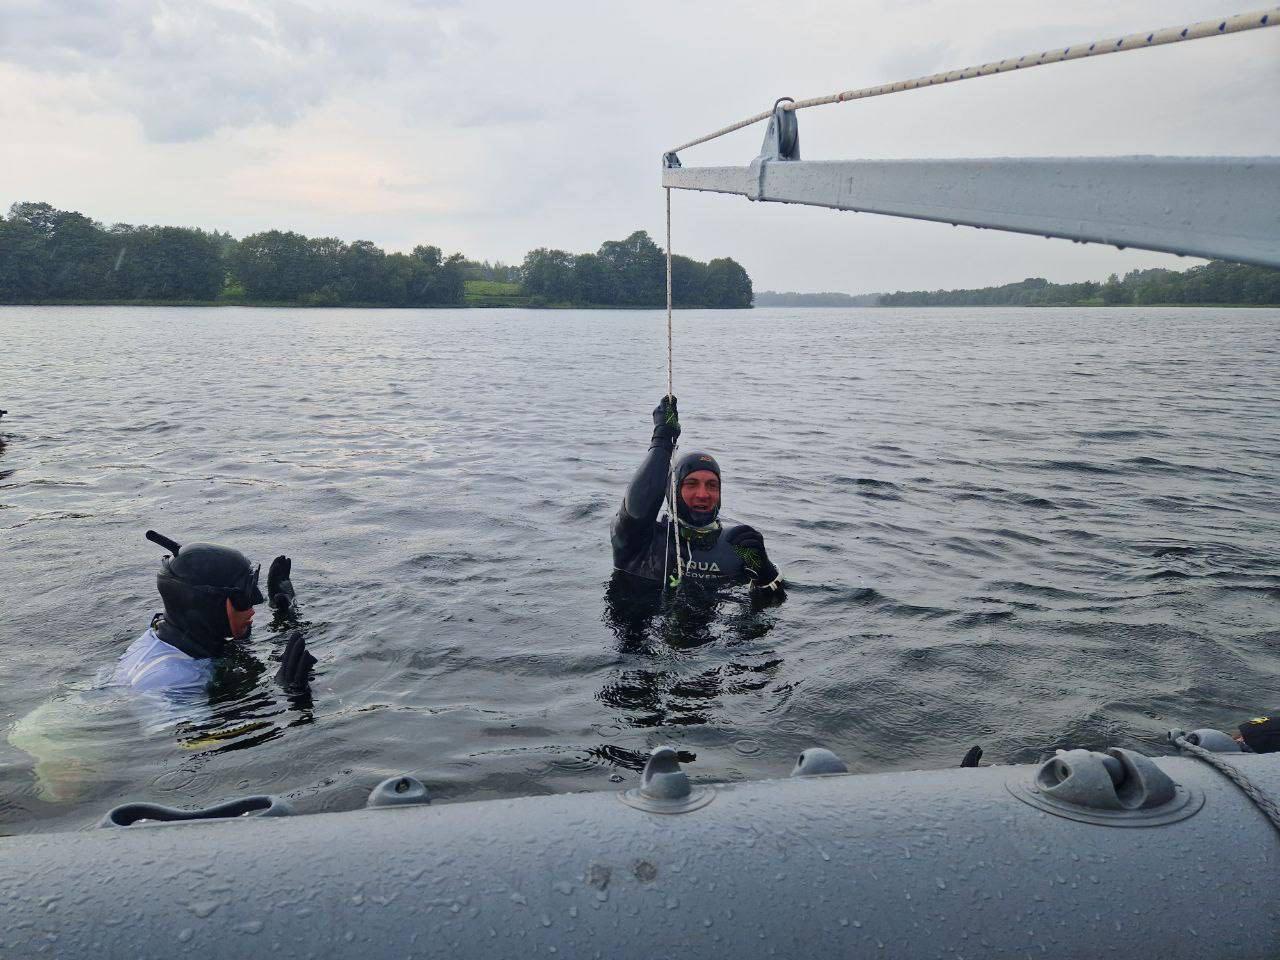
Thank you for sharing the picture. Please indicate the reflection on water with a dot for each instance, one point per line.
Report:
(686, 650)
(1020, 528)
(78, 739)
(244, 709)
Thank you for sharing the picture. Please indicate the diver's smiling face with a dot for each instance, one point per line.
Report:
(701, 491)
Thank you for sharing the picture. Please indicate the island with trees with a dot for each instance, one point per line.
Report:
(49, 255)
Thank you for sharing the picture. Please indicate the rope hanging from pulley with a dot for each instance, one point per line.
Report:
(674, 523)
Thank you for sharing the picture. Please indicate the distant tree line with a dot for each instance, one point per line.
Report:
(770, 298)
(497, 272)
(48, 254)
(51, 255)
(324, 271)
(632, 273)
(1217, 282)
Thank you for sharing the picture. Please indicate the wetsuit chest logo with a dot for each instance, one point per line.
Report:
(706, 566)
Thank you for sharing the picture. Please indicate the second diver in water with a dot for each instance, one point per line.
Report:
(712, 552)
(209, 593)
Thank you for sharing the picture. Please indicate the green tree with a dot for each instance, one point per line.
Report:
(275, 265)
(727, 284)
(594, 282)
(363, 273)
(77, 254)
(166, 263)
(548, 275)
(23, 262)
(640, 268)
(688, 282)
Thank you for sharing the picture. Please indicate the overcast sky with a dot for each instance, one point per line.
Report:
(491, 128)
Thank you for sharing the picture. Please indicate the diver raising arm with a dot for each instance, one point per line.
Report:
(712, 552)
(634, 523)
(209, 593)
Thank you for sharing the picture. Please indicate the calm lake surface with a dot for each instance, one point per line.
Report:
(1024, 529)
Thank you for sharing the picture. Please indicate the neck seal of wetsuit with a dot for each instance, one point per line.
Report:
(691, 463)
(195, 586)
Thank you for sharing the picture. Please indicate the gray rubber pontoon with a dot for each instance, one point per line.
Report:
(1089, 855)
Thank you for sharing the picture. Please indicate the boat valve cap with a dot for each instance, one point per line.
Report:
(817, 761)
(665, 788)
(403, 791)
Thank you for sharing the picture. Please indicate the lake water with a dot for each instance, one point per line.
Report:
(1020, 528)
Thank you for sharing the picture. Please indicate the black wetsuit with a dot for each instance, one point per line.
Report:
(644, 546)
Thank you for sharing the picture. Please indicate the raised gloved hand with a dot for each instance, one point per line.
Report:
(295, 664)
(280, 593)
(666, 423)
(972, 756)
(748, 544)
(1261, 734)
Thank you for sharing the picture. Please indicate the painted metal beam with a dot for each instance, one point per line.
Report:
(1215, 207)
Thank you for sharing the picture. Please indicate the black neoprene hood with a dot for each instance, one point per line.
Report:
(195, 586)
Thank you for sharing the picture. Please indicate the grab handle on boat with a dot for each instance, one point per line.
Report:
(129, 814)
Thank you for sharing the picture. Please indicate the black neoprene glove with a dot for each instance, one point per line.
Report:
(749, 545)
(666, 424)
(280, 593)
(1262, 734)
(295, 664)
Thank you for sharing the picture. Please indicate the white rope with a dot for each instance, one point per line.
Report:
(1255, 793)
(1078, 51)
(673, 522)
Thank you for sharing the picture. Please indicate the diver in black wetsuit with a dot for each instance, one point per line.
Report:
(714, 553)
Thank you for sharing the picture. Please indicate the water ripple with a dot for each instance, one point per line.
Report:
(1017, 527)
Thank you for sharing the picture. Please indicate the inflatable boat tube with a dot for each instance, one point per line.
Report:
(1088, 855)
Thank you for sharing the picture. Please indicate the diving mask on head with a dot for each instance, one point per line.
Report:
(195, 584)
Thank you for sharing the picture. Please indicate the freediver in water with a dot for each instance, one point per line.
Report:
(715, 554)
(712, 553)
(188, 661)
(209, 594)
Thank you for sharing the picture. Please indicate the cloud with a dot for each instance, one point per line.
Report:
(188, 68)
(501, 126)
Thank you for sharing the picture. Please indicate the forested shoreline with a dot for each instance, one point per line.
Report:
(52, 256)
(55, 256)
(1217, 283)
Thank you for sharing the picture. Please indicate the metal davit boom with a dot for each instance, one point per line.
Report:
(1212, 207)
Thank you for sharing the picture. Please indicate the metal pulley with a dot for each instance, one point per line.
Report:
(782, 139)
